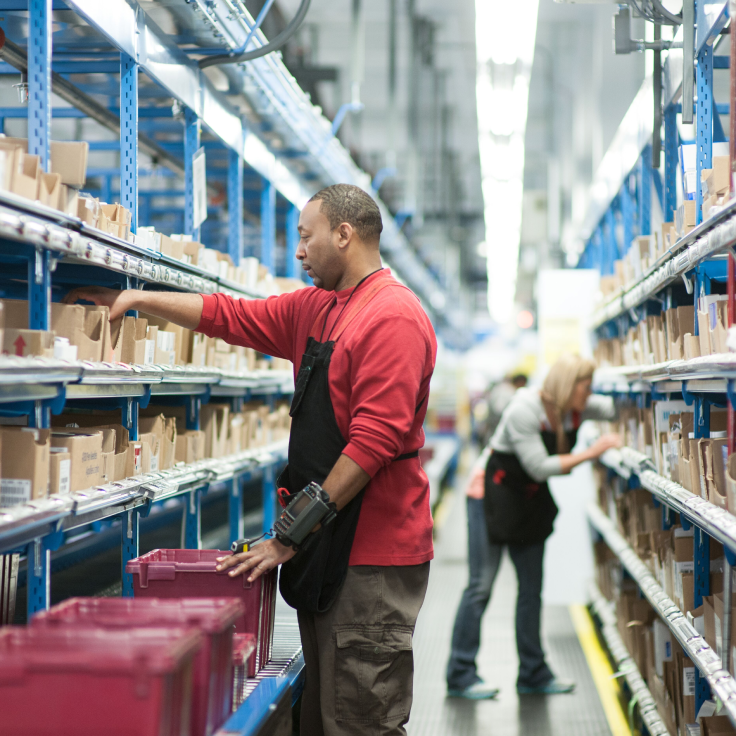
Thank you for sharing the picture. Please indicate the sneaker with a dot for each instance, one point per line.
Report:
(553, 687)
(477, 691)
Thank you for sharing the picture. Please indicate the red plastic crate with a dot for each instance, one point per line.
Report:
(190, 573)
(213, 666)
(244, 647)
(88, 682)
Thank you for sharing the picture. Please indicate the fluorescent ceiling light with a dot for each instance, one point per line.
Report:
(502, 94)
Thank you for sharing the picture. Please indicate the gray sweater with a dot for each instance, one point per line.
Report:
(520, 430)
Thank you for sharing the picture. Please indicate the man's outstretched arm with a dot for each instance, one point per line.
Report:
(181, 309)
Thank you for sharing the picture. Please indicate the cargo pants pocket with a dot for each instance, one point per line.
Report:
(374, 672)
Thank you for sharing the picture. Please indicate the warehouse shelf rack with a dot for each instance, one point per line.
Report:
(281, 143)
(45, 253)
(645, 703)
(702, 261)
(706, 661)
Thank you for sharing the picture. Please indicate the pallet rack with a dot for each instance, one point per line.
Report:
(701, 262)
(268, 157)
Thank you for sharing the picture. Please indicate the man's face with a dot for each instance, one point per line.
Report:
(318, 250)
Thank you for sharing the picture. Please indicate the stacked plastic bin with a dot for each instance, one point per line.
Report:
(87, 681)
(214, 618)
(191, 573)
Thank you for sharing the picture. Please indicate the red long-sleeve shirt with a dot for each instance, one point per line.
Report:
(379, 373)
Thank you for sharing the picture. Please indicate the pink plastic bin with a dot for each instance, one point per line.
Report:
(190, 573)
(244, 647)
(214, 617)
(88, 682)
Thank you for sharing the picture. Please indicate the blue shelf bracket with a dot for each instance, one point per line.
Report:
(731, 392)
(38, 554)
(269, 497)
(293, 267)
(191, 146)
(129, 137)
(194, 406)
(193, 520)
(235, 509)
(268, 225)
(130, 531)
(39, 81)
(701, 576)
(671, 143)
(235, 206)
(704, 122)
(39, 290)
(687, 397)
(645, 191)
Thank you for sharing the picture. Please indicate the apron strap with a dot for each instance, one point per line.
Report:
(370, 291)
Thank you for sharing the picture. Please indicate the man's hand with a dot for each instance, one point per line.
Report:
(259, 559)
(119, 302)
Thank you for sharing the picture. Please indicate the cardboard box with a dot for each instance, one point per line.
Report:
(182, 348)
(199, 349)
(172, 248)
(49, 190)
(25, 343)
(134, 341)
(24, 464)
(27, 176)
(68, 159)
(190, 446)
(85, 327)
(9, 163)
(60, 471)
(716, 726)
(151, 343)
(214, 421)
(88, 210)
(679, 321)
(716, 180)
(85, 448)
(69, 200)
(151, 431)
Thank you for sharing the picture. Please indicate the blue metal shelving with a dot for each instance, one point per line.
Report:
(620, 211)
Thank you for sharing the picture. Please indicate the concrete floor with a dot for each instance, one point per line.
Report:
(433, 714)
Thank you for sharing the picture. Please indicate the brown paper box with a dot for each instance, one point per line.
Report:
(716, 726)
(25, 343)
(214, 420)
(190, 446)
(68, 159)
(85, 448)
(183, 336)
(172, 248)
(9, 162)
(69, 200)
(692, 346)
(60, 469)
(49, 190)
(134, 341)
(88, 210)
(24, 464)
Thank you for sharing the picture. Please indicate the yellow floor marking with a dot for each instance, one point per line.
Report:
(600, 667)
(442, 509)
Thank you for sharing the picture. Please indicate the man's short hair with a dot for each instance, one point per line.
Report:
(348, 203)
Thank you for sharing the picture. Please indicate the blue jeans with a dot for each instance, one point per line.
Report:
(484, 559)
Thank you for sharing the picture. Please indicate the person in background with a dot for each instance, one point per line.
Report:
(462, 675)
(532, 443)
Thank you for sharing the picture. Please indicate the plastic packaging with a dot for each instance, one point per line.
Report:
(92, 681)
(190, 573)
(215, 618)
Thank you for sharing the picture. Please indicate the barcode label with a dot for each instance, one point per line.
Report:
(14, 491)
(65, 474)
(688, 681)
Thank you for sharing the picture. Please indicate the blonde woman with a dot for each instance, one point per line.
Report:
(532, 443)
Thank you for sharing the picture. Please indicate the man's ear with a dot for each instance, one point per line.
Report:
(345, 233)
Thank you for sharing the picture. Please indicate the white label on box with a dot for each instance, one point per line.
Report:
(137, 459)
(719, 637)
(149, 356)
(687, 566)
(14, 491)
(65, 476)
(688, 681)
(154, 463)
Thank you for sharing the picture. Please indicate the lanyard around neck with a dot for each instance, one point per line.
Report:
(357, 286)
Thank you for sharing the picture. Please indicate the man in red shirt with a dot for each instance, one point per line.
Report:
(363, 351)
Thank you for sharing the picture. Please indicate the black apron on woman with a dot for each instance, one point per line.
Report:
(518, 509)
(311, 580)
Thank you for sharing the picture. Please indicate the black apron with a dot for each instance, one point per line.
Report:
(518, 509)
(311, 580)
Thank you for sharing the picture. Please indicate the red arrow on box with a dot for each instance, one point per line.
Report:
(19, 344)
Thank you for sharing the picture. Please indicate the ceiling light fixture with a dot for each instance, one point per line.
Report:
(502, 93)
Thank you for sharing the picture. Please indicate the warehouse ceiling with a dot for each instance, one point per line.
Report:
(417, 131)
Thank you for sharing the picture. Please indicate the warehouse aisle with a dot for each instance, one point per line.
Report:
(433, 714)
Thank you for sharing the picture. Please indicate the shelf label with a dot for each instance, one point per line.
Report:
(688, 681)
(199, 183)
